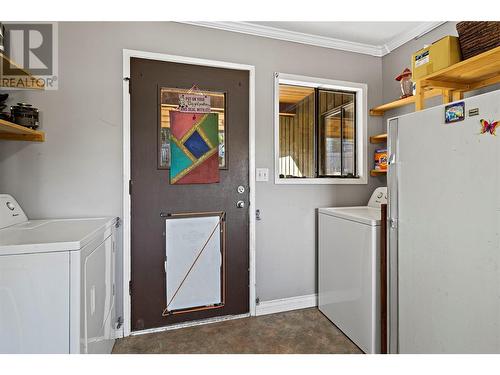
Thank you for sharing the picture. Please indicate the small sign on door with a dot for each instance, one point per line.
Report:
(197, 103)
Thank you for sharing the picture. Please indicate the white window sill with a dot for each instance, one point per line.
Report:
(321, 181)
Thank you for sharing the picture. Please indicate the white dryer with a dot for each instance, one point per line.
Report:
(348, 269)
(57, 292)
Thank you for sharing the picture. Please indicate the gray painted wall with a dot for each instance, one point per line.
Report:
(77, 172)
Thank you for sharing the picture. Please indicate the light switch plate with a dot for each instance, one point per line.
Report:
(262, 174)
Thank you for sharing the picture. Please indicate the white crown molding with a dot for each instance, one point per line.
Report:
(317, 40)
(292, 36)
(414, 33)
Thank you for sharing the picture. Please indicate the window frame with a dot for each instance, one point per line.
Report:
(361, 131)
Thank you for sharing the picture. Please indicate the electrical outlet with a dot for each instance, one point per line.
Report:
(262, 174)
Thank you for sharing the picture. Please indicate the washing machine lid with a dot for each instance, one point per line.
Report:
(43, 236)
(362, 214)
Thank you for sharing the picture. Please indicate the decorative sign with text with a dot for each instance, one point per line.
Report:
(197, 103)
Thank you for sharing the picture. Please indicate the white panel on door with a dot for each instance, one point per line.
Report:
(34, 308)
(185, 239)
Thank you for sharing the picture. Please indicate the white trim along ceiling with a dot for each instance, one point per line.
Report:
(321, 41)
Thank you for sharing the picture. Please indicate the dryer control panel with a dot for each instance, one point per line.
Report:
(378, 198)
(10, 211)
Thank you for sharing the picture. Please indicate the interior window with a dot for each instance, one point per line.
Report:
(296, 131)
(317, 132)
(169, 100)
(336, 134)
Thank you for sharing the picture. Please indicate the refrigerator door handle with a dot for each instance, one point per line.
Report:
(392, 158)
(392, 236)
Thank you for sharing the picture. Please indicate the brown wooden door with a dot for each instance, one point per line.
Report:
(154, 86)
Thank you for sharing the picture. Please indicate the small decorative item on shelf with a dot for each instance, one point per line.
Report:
(25, 115)
(406, 83)
(381, 159)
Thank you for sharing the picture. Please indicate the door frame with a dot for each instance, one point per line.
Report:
(127, 55)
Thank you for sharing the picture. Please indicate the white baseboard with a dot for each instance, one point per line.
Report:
(287, 304)
(119, 333)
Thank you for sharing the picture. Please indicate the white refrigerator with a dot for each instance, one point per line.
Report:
(444, 228)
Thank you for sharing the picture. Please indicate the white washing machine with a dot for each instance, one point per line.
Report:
(57, 292)
(348, 262)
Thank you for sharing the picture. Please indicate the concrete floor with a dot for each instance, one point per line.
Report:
(295, 332)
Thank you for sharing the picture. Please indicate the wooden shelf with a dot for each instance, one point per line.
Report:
(471, 74)
(19, 82)
(376, 172)
(14, 132)
(381, 109)
(380, 138)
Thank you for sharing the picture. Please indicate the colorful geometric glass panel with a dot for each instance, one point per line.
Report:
(194, 150)
(196, 145)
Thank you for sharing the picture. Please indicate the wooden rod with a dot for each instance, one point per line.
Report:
(457, 95)
(419, 96)
(192, 310)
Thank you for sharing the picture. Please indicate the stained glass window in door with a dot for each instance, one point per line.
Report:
(169, 101)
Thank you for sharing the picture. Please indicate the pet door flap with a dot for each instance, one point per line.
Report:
(194, 249)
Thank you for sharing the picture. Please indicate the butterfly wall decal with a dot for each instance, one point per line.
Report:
(489, 127)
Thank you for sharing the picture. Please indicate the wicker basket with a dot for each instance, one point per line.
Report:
(477, 37)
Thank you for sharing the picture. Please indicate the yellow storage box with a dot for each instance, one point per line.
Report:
(437, 56)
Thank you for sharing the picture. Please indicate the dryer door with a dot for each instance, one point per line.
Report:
(34, 309)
